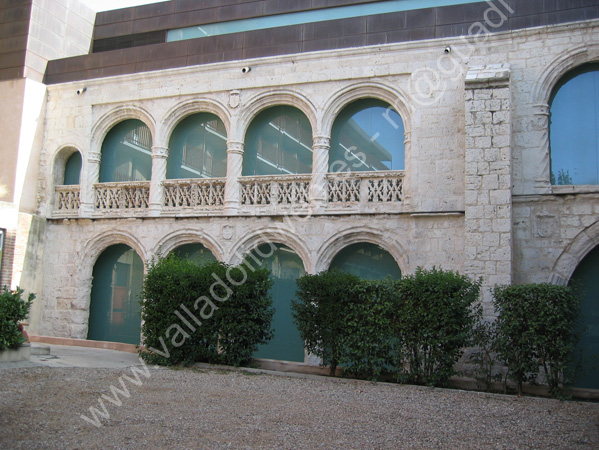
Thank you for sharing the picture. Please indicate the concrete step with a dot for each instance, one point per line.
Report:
(39, 349)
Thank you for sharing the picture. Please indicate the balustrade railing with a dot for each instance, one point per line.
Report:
(275, 190)
(365, 187)
(132, 195)
(67, 200)
(369, 192)
(194, 193)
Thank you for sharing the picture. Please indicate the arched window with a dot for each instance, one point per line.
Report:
(285, 267)
(366, 260)
(72, 170)
(115, 311)
(574, 128)
(198, 148)
(367, 135)
(278, 142)
(194, 252)
(127, 153)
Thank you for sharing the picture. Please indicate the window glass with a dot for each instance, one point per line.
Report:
(194, 252)
(72, 169)
(278, 142)
(367, 135)
(574, 128)
(127, 153)
(366, 260)
(198, 148)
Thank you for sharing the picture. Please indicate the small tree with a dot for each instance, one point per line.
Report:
(319, 312)
(13, 309)
(535, 329)
(436, 314)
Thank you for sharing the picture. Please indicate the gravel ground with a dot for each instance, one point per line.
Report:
(41, 408)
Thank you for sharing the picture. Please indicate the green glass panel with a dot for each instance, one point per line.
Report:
(198, 148)
(574, 128)
(72, 169)
(367, 135)
(278, 142)
(366, 260)
(127, 153)
(296, 18)
(114, 313)
(286, 267)
(194, 252)
(586, 276)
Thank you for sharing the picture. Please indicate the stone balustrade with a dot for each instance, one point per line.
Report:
(352, 192)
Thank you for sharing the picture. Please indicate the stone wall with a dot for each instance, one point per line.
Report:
(477, 196)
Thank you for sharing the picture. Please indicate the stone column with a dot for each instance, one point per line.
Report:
(90, 176)
(407, 181)
(234, 170)
(488, 168)
(159, 161)
(540, 131)
(320, 167)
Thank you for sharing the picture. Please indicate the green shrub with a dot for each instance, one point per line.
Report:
(319, 313)
(436, 312)
(369, 347)
(13, 309)
(213, 312)
(535, 329)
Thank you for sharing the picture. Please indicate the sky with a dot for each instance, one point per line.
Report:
(105, 5)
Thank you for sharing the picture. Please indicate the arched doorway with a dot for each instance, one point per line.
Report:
(115, 311)
(286, 267)
(366, 260)
(586, 276)
(194, 252)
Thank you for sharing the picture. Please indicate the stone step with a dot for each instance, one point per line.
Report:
(40, 349)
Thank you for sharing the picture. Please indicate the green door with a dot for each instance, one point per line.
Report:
(586, 276)
(286, 267)
(114, 313)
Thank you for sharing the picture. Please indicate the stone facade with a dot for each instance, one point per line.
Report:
(475, 195)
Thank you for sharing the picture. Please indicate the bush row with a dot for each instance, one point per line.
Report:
(413, 329)
(213, 313)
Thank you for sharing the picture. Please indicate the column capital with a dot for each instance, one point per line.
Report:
(235, 147)
(541, 109)
(322, 141)
(159, 151)
(94, 157)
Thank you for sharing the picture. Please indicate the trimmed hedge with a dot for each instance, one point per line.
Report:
(436, 315)
(535, 328)
(13, 309)
(414, 328)
(213, 313)
(316, 314)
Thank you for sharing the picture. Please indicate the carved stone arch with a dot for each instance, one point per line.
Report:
(115, 116)
(539, 103)
(340, 99)
(560, 66)
(187, 236)
(92, 252)
(182, 110)
(270, 99)
(59, 160)
(339, 241)
(574, 253)
(271, 235)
